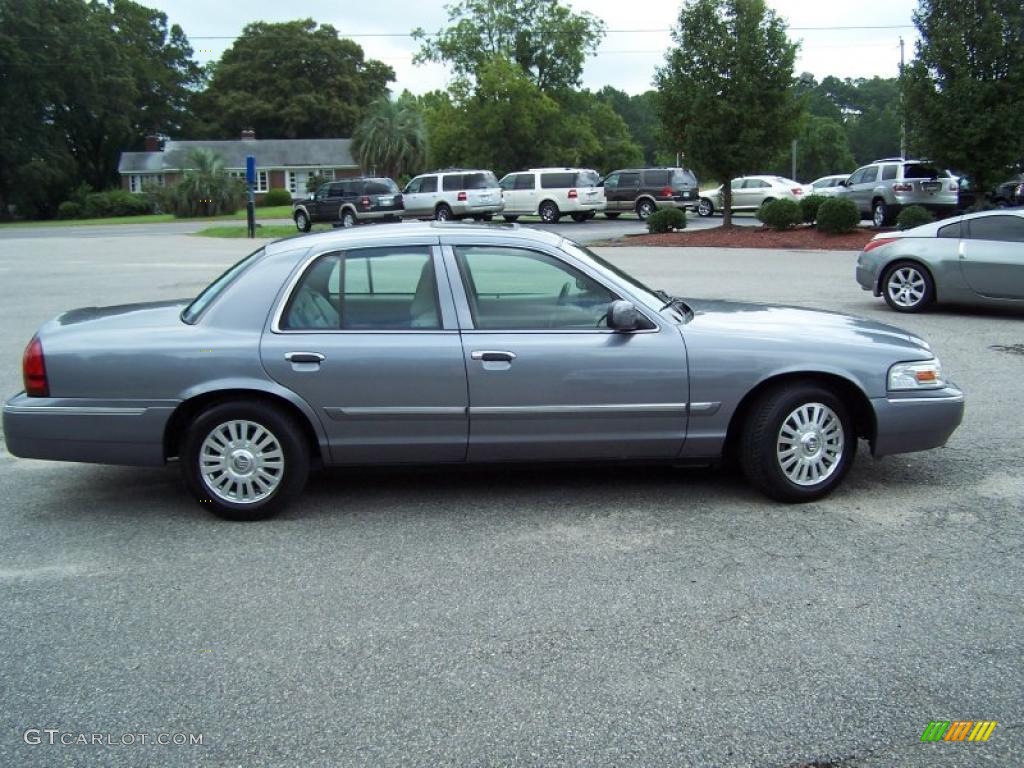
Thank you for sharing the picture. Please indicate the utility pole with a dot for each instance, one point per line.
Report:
(903, 108)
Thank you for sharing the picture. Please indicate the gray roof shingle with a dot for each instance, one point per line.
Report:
(270, 153)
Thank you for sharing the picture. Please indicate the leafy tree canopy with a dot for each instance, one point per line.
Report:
(965, 87)
(725, 93)
(293, 80)
(391, 139)
(546, 40)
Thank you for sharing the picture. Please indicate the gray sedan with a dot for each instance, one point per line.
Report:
(455, 344)
(973, 259)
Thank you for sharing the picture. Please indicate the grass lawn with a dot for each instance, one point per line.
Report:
(263, 231)
(275, 212)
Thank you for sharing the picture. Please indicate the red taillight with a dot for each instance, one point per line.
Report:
(797, 190)
(954, 187)
(573, 193)
(33, 367)
(462, 197)
(365, 202)
(666, 192)
(879, 243)
(902, 187)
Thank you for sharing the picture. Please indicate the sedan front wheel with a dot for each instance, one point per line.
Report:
(798, 443)
(244, 460)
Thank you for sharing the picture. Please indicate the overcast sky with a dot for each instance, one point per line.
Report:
(626, 59)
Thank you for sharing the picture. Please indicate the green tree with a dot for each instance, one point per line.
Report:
(205, 189)
(640, 113)
(725, 91)
(821, 149)
(547, 40)
(294, 80)
(391, 139)
(965, 87)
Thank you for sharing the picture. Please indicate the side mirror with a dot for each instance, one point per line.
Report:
(623, 316)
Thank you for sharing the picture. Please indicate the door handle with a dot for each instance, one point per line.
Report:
(493, 356)
(304, 357)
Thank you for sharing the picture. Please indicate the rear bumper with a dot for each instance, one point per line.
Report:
(469, 209)
(916, 423)
(126, 432)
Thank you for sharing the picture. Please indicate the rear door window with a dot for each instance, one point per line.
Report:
(452, 182)
(337, 189)
(889, 172)
(630, 179)
(657, 178)
(557, 180)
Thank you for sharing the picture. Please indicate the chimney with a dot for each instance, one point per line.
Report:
(152, 143)
(248, 134)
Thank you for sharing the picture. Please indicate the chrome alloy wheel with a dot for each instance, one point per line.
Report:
(906, 287)
(810, 444)
(241, 462)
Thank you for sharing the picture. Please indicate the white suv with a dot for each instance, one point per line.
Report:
(550, 192)
(454, 193)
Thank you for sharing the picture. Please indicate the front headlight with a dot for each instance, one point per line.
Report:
(926, 374)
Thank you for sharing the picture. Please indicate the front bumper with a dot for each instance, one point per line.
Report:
(916, 421)
(129, 432)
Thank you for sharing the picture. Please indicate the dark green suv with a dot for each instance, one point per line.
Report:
(350, 201)
(645, 190)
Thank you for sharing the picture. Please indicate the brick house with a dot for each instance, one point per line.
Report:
(280, 163)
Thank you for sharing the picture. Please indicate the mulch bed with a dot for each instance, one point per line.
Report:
(756, 237)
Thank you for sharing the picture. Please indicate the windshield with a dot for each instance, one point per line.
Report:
(214, 289)
(648, 296)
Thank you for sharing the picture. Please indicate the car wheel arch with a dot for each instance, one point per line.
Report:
(847, 390)
(194, 405)
(643, 199)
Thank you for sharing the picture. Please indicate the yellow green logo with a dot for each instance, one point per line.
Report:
(958, 730)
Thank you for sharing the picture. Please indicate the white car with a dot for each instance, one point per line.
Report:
(455, 193)
(826, 186)
(749, 193)
(551, 192)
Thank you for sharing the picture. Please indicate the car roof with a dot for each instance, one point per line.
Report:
(384, 234)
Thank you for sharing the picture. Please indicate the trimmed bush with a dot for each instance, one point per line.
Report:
(69, 209)
(913, 216)
(780, 214)
(837, 215)
(116, 202)
(277, 196)
(809, 207)
(666, 220)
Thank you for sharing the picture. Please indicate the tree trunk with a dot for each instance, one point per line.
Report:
(727, 204)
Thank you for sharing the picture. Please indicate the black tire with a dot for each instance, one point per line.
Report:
(881, 216)
(612, 214)
(645, 208)
(762, 436)
(580, 217)
(907, 286)
(443, 213)
(511, 219)
(293, 471)
(705, 208)
(348, 218)
(302, 222)
(549, 212)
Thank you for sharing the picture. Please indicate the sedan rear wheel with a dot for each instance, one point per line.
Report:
(244, 460)
(908, 287)
(798, 443)
(705, 208)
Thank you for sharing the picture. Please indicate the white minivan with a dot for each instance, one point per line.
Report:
(551, 192)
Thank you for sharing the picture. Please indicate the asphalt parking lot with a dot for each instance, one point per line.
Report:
(518, 617)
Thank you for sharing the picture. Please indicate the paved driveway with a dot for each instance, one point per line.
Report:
(517, 617)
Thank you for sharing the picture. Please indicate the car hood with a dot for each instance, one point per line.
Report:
(135, 316)
(797, 325)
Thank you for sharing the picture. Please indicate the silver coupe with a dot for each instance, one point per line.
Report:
(450, 343)
(973, 259)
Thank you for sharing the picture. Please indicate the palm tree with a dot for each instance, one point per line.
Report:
(391, 139)
(206, 189)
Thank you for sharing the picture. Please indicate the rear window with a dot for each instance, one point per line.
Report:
(216, 288)
(683, 177)
(587, 179)
(921, 171)
(482, 180)
(380, 187)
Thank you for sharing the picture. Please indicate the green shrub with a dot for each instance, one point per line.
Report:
(913, 216)
(780, 214)
(666, 220)
(277, 196)
(809, 207)
(204, 190)
(115, 202)
(69, 209)
(837, 215)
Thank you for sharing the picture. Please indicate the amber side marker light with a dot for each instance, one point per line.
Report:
(925, 377)
(33, 367)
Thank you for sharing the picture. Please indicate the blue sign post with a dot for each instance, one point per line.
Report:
(250, 181)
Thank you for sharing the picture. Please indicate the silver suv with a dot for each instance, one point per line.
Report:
(883, 188)
(454, 193)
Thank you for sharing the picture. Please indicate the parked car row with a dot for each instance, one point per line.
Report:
(460, 193)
